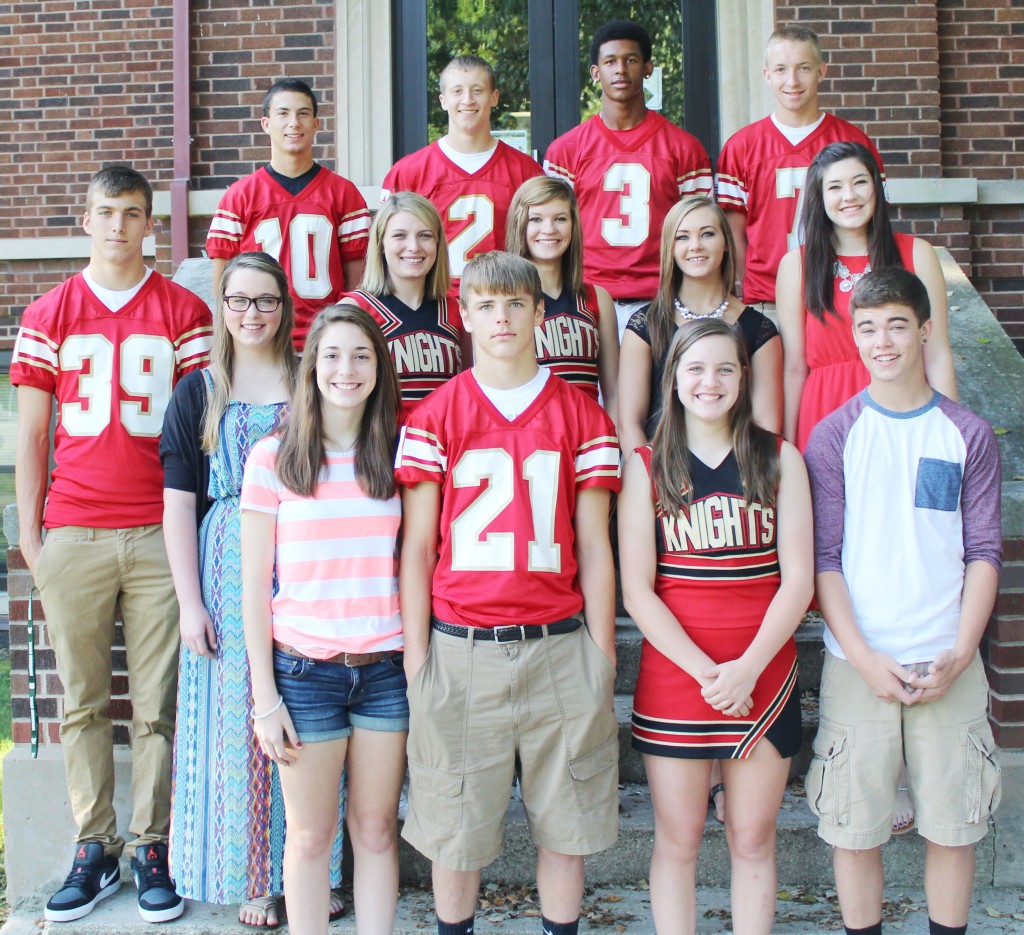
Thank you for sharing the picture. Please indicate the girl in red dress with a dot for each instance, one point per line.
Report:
(717, 573)
(846, 231)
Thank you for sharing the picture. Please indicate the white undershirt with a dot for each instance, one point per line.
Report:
(114, 299)
(796, 135)
(467, 162)
(511, 403)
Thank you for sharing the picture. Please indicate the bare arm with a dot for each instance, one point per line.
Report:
(638, 562)
(182, 542)
(421, 517)
(735, 681)
(766, 385)
(596, 568)
(218, 271)
(608, 353)
(31, 468)
(352, 272)
(738, 224)
(790, 305)
(276, 731)
(634, 392)
(938, 356)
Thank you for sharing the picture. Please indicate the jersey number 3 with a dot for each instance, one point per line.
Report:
(633, 181)
(475, 549)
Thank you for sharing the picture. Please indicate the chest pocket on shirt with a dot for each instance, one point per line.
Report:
(938, 484)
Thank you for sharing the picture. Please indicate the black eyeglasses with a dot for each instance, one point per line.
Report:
(263, 303)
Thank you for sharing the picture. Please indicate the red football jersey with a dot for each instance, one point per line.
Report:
(568, 340)
(762, 174)
(425, 343)
(473, 207)
(508, 497)
(112, 374)
(310, 234)
(625, 182)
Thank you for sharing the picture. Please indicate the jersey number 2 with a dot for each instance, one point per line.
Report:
(481, 210)
(474, 549)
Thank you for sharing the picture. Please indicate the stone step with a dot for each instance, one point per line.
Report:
(631, 765)
(628, 640)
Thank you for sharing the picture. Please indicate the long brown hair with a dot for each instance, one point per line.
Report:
(222, 353)
(756, 450)
(817, 229)
(302, 455)
(542, 190)
(661, 315)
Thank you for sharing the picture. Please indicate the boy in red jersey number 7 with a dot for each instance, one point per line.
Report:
(508, 604)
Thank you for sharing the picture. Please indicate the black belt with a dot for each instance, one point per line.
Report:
(509, 634)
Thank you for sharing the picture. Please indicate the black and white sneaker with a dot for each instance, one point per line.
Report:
(158, 902)
(93, 877)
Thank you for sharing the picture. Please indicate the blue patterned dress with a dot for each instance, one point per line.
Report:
(227, 824)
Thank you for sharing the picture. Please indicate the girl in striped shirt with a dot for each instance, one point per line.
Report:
(320, 520)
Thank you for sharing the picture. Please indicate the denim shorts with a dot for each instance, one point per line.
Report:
(327, 699)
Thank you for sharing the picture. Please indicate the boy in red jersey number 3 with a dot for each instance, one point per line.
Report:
(508, 605)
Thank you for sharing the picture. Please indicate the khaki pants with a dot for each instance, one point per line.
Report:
(81, 574)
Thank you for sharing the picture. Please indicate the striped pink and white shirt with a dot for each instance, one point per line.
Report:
(335, 556)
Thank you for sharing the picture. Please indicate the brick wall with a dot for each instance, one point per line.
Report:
(92, 79)
(1003, 650)
(981, 71)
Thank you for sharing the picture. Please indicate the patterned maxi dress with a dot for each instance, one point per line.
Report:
(227, 825)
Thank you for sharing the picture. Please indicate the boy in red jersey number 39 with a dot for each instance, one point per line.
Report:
(508, 606)
(109, 344)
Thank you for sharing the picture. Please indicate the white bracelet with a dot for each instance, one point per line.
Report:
(266, 714)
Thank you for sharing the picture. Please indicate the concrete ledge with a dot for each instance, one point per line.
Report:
(38, 828)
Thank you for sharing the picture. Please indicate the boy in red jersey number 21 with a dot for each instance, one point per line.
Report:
(508, 604)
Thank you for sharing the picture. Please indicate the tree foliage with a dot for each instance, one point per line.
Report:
(497, 31)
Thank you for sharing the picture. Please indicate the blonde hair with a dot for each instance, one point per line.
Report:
(661, 321)
(542, 190)
(377, 276)
(222, 353)
(501, 273)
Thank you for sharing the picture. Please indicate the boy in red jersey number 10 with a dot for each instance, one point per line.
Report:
(508, 606)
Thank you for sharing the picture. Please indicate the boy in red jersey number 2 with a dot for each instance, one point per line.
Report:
(508, 604)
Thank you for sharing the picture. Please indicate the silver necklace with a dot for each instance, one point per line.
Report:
(848, 280)
(684, 312)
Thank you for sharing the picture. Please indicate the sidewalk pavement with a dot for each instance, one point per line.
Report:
(514, 910)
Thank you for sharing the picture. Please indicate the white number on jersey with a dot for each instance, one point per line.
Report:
(146, 371)
(481, 210)
(474, 549)
(789, 183)
(309, 252)
(633, 181)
